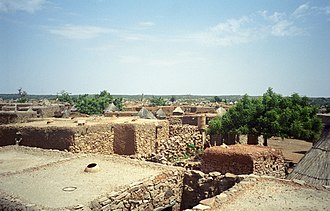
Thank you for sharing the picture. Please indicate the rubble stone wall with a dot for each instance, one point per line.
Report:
(160, 192)
(244, 159)
(176, 145)
(94, 139)
(199, 186)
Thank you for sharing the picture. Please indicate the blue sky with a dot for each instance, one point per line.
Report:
(165, 47)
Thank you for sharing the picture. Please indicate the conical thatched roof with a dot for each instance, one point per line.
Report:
(178, 111)
(111, 108)
(221, 111)
(145, 114)
(160, 114)
(314, 167)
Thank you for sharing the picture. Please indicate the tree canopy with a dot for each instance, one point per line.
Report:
(91, 104)
(157, 101)
(270, 115)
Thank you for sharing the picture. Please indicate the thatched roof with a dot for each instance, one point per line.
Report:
(314, 167)
(221, 111)
(111, 108)
(160, 114)
(178, 110)
(145, 114)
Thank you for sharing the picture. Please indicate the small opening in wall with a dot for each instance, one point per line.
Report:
(91, 165)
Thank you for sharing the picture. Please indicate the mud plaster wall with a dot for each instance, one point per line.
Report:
(122, 138)
(142, 138)
(244, 159)
(42, 137)
(16, 117)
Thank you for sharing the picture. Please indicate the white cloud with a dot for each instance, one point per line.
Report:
(79, 32)
(146, 24)
(230, 32)
(301, 11)
(29, 6)
(285, 28)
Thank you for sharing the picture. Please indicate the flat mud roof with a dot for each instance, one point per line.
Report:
(54, 179)
(273, 194)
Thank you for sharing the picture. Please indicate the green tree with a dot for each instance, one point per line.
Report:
(65, 97)
(23, 96)
(157, 101)
(216, 99)
(271, 115)
(119, 103)
(93, 104)
(173, 99)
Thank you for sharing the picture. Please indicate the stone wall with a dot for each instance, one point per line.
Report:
(175, 147)
(199, 186)
(160, 192)
(94, 139)
(244, 159)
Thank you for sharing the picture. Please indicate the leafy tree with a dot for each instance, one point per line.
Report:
(216, 99)
(173, 99)
(157, 101)
(119, 103)
(91, 104)
(65, 97)
(271, 115)
(22, 96)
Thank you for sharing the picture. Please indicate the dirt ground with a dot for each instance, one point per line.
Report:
(293, 149)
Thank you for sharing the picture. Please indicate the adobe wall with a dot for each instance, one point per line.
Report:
(244, 159)
(60, 138)
(7, 117)
(142, 138)
(138, 137)
(121, 113)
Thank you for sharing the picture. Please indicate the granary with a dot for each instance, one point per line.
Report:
(111, 108)
(160, 114)
(178, 111)
(314, 167)
(221, 111)
(145, 114)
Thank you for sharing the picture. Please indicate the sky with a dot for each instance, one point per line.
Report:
(165, 47)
